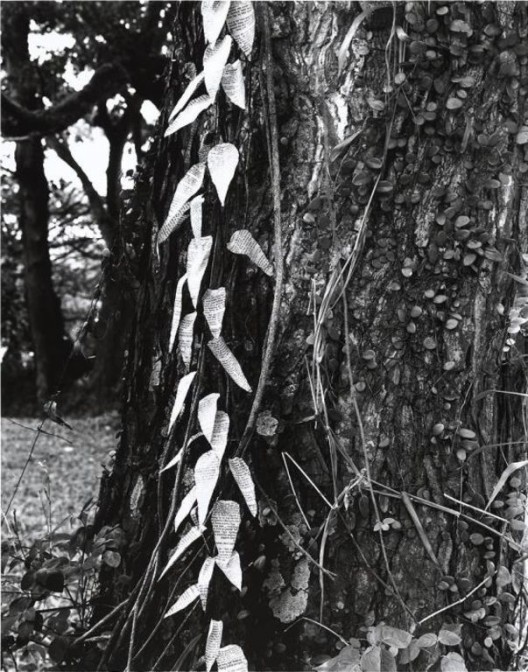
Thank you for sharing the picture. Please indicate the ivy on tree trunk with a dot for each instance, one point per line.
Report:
(387, 413)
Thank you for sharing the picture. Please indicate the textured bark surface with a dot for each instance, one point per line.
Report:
(391, 339)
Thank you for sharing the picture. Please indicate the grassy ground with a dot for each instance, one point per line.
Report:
(63, 473)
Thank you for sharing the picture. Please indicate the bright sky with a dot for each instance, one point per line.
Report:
(91, 149)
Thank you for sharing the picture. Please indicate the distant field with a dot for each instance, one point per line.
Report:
(71, 459)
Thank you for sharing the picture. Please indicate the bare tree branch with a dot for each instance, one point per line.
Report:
(18, 121)
(104, 221)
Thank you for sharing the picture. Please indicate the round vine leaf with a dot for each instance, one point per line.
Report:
(454, 103)
(449, 638)
(112, 558)
(58, 648)
(27, 580)
(50, 579)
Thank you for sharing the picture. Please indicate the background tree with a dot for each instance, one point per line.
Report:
(131, 29)
(76, 254)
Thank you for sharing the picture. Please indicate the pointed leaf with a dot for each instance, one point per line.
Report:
(182, 102)
(172, 223)
(241, 24)
(231, 659)
(207, 414)
(214, 309)
(174, 461)
(190, 183)
(197, 258)
(228, 360)
(178, 456)
(212, 647)
(186, 598)
(188, 538)
(176, 311)
(196, 216)
(186, 505)
(214, 61)
(204, 579)
(242, 476)
(242, 242)
(206, 474)
(225, 519)
(220, 434)
(222, 161)
(186, 337)
(233, 84)
(214, 15)
(189, 114)
(232, 570)
(181, 393)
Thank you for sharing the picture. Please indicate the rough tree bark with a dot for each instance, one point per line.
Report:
(391, 352)
(51, 344)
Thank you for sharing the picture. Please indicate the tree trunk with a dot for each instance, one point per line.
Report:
(391, 379)
(50, 341)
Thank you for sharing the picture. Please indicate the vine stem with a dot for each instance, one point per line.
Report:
(454, 604)
(277, 230)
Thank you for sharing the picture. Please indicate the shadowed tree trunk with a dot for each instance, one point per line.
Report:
(386, 414)
(51, 344)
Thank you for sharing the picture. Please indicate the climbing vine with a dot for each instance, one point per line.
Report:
(237, 21)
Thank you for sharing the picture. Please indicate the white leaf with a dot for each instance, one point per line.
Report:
(172, 223)
(188, 538)
(232, 570)
(197, 258)
(214, 61)
(187, 187)
(196, 216)
(181, 393)
(206, 474)
(191, 88)
(214, 309)
(242, 476)
(242, 242)
(214, 639)
(186, 337)
(204, 579)
(178, 456)
(228, 360)
(222, 161)
(186, 598)
(231, 659)
(233, 84)
(176, 311)
(190, 113)
(241, 24)
(207, 414)
(214, 15)
(174, 460)
(220, 433)
(186, 505)
(225, 519)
